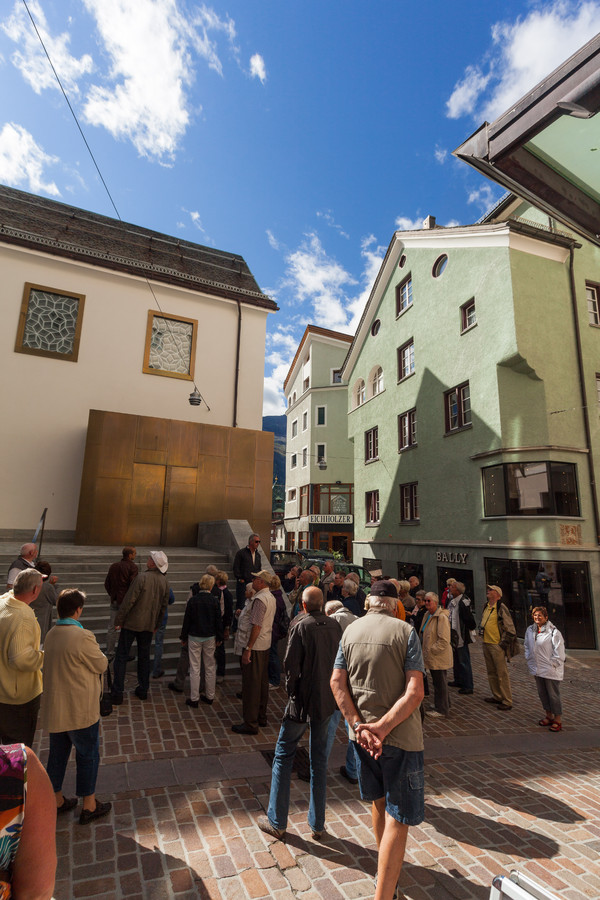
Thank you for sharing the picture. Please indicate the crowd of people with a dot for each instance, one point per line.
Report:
(370, 659)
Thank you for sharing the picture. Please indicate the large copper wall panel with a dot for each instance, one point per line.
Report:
(151, 481)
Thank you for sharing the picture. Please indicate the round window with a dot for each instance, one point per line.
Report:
(439, 265)
(402, 262)
(375, 327)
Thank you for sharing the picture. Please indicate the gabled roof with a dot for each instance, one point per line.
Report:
(66, 231)
(546, 148)
(316, 331)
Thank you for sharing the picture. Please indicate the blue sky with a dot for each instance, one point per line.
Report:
(300, 134)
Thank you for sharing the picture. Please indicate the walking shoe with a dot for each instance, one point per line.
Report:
(117, 699)
(205, 699)
(264, 825)
(244, 729)
(262, 723)
(465, 691)
(504, 705)
(491, 700)
(434, 714)
(140, 694)
(159, 674)
(192, 703)
(318, 835)
(88, 815)
(174, 687)
(454, 684)
(67, 804)
(344, 774)
(239, 695)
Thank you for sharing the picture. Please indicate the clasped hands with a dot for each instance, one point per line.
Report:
(370, 736)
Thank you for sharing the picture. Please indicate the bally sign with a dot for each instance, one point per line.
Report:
(330, 520)
(451, 557)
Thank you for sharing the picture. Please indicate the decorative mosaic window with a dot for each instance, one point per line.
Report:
(170, 346)
(50, 322)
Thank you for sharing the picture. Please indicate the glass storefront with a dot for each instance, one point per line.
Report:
(563, 588)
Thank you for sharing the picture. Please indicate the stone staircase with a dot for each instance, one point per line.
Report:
(86, 567)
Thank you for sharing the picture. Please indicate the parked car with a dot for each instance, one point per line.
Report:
(363, 574)
(283, 560)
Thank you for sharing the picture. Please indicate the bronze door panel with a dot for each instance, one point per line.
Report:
(147, 490)
(184, 444)
(117, 436)
(152, 440)
(242, 449)
(179, 525)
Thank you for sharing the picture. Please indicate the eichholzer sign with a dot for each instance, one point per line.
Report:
(330, 520)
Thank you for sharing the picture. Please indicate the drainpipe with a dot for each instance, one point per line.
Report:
(237, 364)
(586, 418)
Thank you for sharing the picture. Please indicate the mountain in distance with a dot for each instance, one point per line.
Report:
(278, 425)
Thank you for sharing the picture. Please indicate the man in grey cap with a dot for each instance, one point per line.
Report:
(139, 615)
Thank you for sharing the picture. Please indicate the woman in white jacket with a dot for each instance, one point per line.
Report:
(545, 655)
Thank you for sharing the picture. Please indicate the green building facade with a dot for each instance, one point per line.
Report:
(477, 457)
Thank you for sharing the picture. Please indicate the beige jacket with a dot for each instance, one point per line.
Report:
(437, 649)
(73, 665)
(20, 655)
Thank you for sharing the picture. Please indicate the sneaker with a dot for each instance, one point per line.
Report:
(434, 714)
(68, 804)
(192, 703)
(344, 774)
(265, 825)
(88, 815)
(319, 835)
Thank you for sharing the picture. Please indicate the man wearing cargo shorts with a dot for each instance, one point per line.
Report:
(377, 682)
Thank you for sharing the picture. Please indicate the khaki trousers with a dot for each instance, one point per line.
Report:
(497, 672)
(255, 688)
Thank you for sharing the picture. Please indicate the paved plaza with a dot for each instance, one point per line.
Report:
(501, 793)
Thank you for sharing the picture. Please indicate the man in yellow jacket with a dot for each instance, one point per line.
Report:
(20, 660)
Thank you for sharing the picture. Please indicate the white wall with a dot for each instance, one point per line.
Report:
(45, 402)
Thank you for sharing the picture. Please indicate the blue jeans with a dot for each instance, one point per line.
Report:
(350, 754)
(87, 758)
(285, 751)
(158, 648)
(463, 674)
(126, 639)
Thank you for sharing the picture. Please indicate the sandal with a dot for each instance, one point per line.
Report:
(556, 726)
(546, 721)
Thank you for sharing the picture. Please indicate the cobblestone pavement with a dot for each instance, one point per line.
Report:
(501, 793)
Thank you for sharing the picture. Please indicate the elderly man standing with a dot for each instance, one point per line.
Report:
(327, 579)
(20, 660)
(377, 682)
(437, 652)
(312, 646)
(116, 584)
(246, 561)
(138, 617)
(499, 644)
(462, 622)
(255, 657)
(26, 560)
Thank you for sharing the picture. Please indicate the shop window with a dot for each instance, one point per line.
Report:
(372, 507)
(50, 323)
(170, 346)
(457, 407)
(409, 502)
(372, 444)
(530, 489)
(407, 430)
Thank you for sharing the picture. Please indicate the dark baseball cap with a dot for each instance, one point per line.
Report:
(383, 589)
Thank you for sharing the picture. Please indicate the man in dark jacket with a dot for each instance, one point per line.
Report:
(119, 577)
(246, 561)
(462, 622)
(312, 646)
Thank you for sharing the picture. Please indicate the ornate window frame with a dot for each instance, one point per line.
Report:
(20, 347)
(147, 369)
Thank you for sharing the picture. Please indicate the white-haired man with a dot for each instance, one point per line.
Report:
(26, 560)
(377, 682)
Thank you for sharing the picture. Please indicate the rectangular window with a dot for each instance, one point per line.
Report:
(409, 502)
(468, 317)
(333, 499)
(407, 429)
(458, 407)
(303, 540)
(304, 457)
(530, 489)
(321, 452)
(304, 494)
(291, 495)
(321, 415)
(592, 292)
(294, 428)
(336, 376)
(293, 460)
(304, 421)
(372, 507)
(404, 295)
(598, 386)
(50, 323)
(170, 346)
(306, 384)
(371, 444)
(406, 359)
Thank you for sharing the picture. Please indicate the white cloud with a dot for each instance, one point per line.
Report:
(441, 154)
(273, 242)
(317, 277)
(30, 58)
(403, 223)
(22, 161)
(328, 217)
(484, 197)
(523, 53)
(258, 68)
